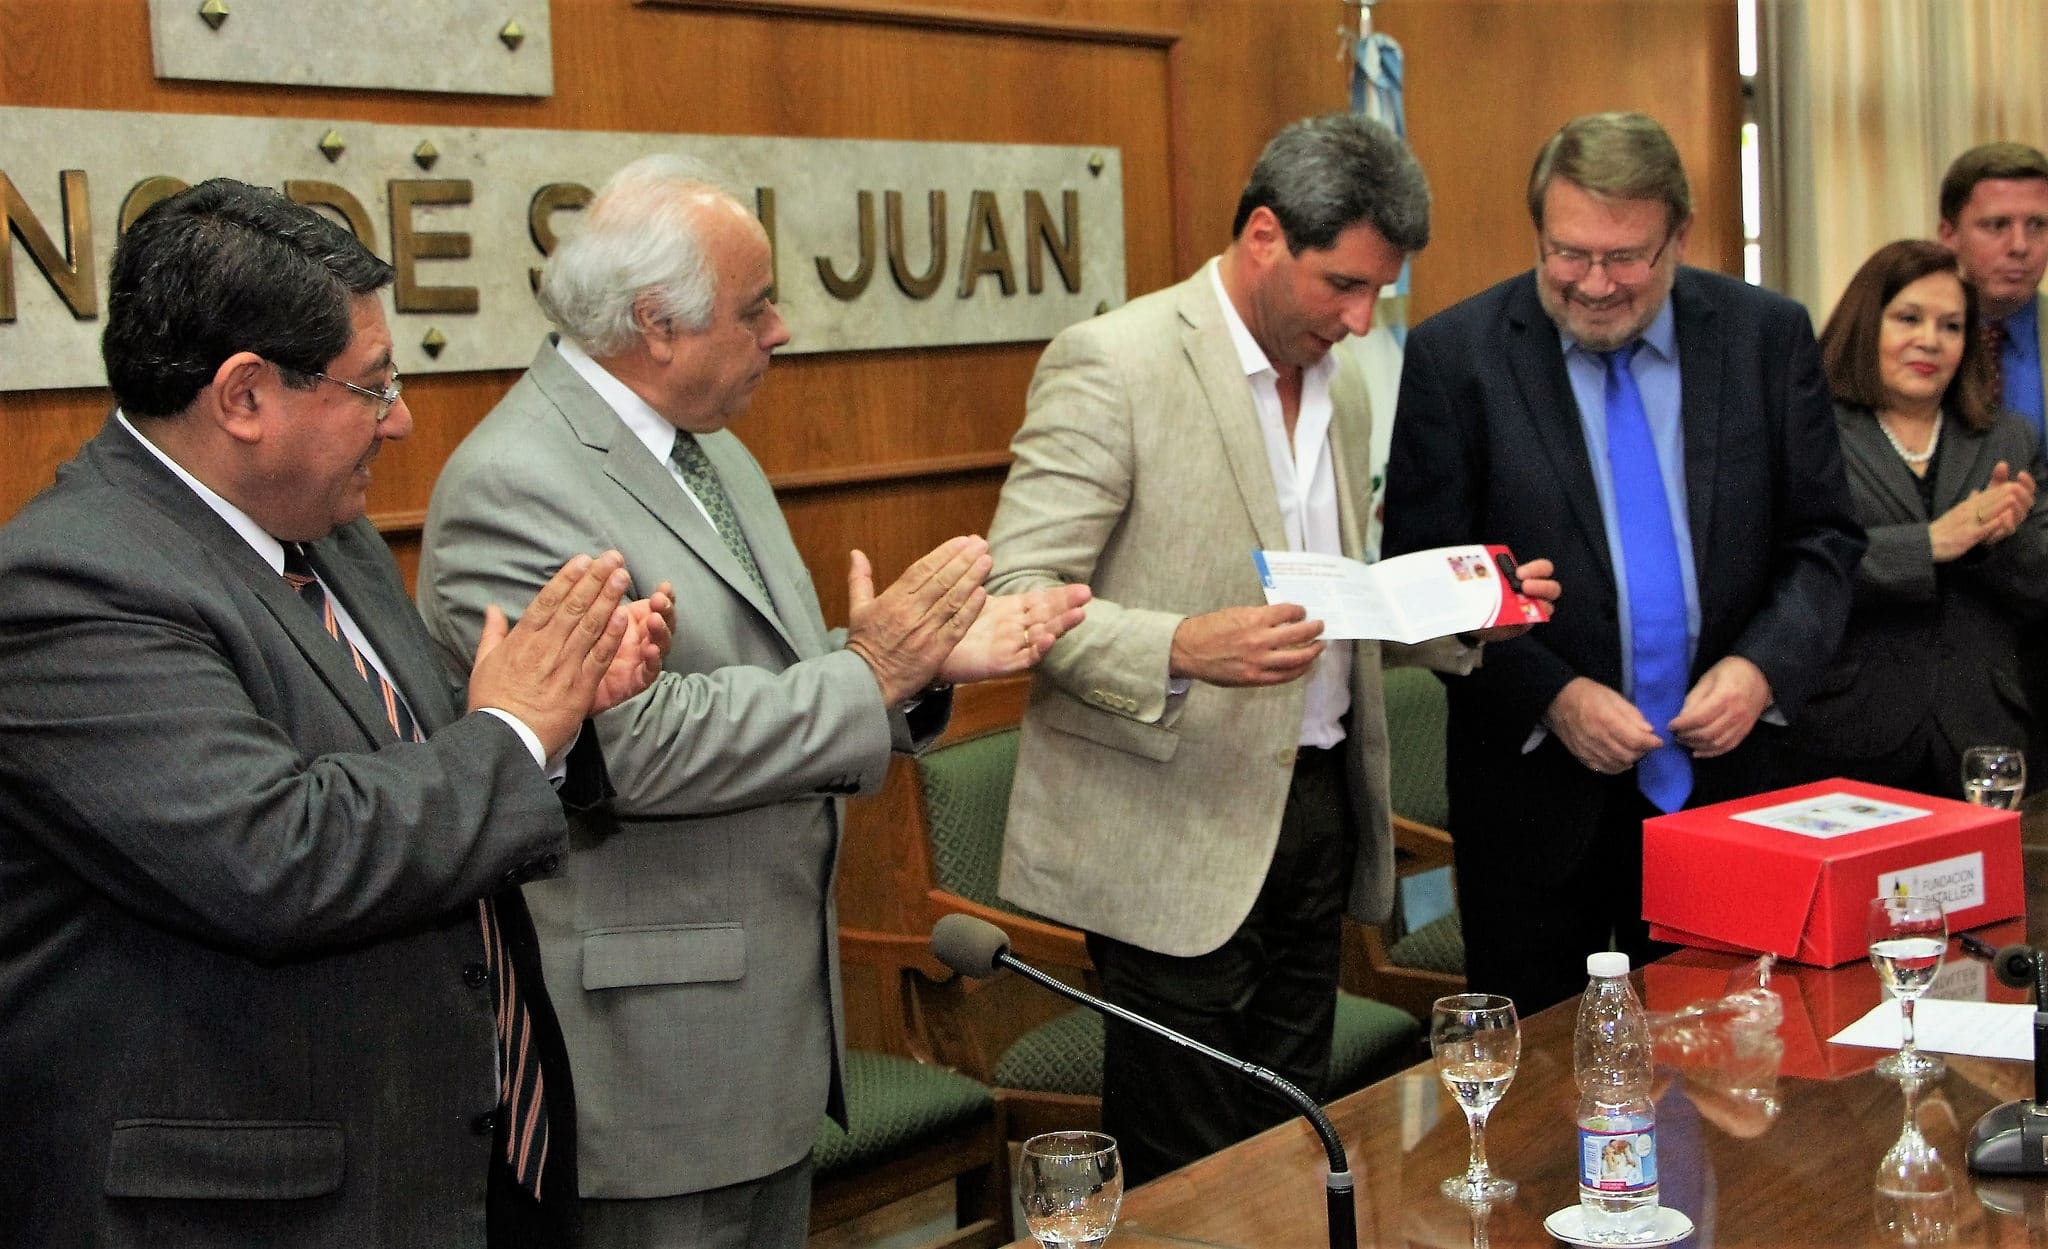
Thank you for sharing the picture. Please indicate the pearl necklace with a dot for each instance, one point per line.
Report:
(1913, 457)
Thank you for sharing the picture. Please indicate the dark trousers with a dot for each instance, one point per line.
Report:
(1528, 940)
(1267, 995)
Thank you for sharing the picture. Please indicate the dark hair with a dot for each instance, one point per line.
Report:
(1848, 346)
(1987, 160)
(1625, 156)
(226, 267)
(1322, 175)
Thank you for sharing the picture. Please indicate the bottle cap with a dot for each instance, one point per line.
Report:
(1607, 963)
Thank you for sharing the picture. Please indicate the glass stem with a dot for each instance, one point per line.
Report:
(1475, 1166)
(1906, 1024)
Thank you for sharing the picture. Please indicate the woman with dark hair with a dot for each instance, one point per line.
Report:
(1943, 480)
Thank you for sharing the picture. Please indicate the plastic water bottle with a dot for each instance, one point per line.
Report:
(1617, 1121)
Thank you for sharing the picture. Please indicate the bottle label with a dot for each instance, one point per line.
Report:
(1619, 1159)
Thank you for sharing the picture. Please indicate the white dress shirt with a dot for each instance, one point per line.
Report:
(1306, 486)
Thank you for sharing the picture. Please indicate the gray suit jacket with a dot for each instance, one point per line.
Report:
(1140, 469)
(1926, 641)
(691, 945)
(242, 995)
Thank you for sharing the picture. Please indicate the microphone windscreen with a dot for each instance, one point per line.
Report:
(2014, 966)
(968, 945)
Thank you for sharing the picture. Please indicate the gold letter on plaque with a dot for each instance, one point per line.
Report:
(410, 245)
(553, 198)
(1038, 231)
(915, 285)
(986, 249)
(144, 196)
(329, 195)
(70, 272)
(849, 289)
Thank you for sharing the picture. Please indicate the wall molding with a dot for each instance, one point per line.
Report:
(897, 13)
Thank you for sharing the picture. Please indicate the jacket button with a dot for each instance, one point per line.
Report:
(549, 864)
(476, 975)
(485, 1123)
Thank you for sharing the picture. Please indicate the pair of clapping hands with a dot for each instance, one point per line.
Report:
(581, 647)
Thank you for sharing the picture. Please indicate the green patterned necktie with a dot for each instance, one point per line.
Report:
(703, 482)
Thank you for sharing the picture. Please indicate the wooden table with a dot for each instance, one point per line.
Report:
(1805, 1175)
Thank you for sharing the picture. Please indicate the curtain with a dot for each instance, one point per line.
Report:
(1861, 106)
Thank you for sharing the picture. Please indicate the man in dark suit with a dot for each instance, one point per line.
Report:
(265, 974)
(1664, 434)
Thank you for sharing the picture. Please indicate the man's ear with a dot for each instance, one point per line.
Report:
(1262, 237)
(654, 325)
(244, 390)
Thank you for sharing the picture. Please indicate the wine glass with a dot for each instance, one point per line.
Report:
(1916, 1192)
(1995, 776)
(1908, 936)
(1071, 1187)
(1477, 1042)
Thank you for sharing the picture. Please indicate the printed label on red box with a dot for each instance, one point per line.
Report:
(1831, 815)
(1958, 882)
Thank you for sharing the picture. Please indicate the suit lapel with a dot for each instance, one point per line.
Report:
(1959, 464)
(1700, 373)
(647, 481)
(354, 574)
(1536, 361)
(1350, 433)
(1870, 460)
(1220, 375)
(130, 466)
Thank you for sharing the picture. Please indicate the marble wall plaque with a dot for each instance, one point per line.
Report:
(1031, 236)
(484, 47)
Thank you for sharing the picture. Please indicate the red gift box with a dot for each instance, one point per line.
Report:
(1718, 881)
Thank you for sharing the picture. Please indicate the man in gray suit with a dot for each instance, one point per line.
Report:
(1202, 783)
(263, 960)
(692, 941)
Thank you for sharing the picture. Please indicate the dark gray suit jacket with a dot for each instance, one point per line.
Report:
(1487, 447)
(241, 989)
(1931, 642)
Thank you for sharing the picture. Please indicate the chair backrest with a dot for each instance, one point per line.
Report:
(1416, 717)
(966, 788)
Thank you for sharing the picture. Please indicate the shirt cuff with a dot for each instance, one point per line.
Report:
(556, 768)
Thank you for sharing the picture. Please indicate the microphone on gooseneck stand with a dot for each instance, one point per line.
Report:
(2013, 1139)
(975, 948)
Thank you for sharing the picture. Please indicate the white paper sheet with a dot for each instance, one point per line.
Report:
(1983, 1029)
(1832, 814)
(1410, 598)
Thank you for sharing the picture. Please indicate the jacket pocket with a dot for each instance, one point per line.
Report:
(225, 1159)
(665, 954)
(1135, 737)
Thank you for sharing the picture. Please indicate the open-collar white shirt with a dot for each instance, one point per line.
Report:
(1305, 484)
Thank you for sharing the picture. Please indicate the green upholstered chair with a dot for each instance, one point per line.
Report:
(1050, 1076)
(911, 1126)
(1411, 968)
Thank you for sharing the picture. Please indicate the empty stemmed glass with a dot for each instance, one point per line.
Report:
(1071, 1186)
(1995, 776)
(1908, 937)
(1477, 1042)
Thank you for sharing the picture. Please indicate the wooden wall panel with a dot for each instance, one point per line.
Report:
(1489, 80)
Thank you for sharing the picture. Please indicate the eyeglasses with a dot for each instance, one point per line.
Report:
(1568, 264)
(389, 395)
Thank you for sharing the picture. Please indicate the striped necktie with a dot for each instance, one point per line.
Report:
(688, 457)
(522, 1094)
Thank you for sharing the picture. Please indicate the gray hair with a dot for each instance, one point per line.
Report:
(1322, 175)
(639, 240)
(1625, 156)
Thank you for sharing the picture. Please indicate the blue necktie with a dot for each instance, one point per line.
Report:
(1656, 590)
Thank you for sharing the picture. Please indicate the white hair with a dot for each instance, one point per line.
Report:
(639, 239)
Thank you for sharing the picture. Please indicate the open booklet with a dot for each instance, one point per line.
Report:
(1410, 598)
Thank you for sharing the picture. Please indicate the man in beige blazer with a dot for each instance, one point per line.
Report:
(691, 943)
(1201, 784)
